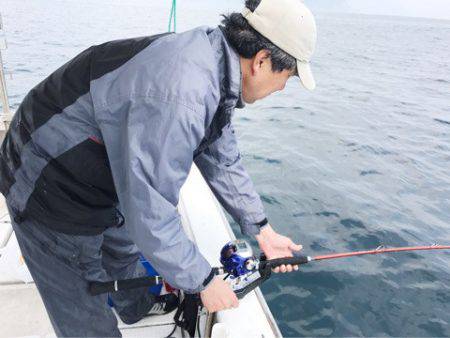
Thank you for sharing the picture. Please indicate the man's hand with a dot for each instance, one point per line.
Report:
(218, 296)
(275, 245)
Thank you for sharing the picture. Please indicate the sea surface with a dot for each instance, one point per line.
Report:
(360, 162)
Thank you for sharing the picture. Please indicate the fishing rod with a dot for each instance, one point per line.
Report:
(381, 249)
(245, 272)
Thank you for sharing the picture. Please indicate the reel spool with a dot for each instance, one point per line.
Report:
(237, 258)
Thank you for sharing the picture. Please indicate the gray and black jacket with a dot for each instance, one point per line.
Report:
(109, 138)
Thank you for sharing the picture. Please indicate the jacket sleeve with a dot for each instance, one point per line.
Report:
(221, 165)
(150, 144)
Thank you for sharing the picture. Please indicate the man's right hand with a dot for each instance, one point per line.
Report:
(218, 296)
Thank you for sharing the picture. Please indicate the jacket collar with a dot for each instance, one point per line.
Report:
(230, 80)
(230, 70)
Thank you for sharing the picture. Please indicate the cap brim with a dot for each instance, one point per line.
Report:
(305, 74)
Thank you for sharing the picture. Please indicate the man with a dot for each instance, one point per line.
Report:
(96, 154)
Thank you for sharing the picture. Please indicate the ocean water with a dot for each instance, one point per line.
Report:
(360, 162)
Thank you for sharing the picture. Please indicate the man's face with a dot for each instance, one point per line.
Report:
(259, 80)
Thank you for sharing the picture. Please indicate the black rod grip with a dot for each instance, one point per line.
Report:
(97, 288)
(296, 260)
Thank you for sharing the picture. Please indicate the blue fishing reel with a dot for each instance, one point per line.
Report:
(237, 258)
(244, 271)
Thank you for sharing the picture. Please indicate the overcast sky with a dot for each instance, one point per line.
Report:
(423, 8)
(420, 8)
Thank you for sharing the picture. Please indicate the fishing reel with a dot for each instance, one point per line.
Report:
(242, 267)
(237, 258)
(245, 271)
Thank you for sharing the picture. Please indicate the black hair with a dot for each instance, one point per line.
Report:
(247, 41)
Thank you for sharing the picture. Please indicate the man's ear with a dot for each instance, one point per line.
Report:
(259, 59)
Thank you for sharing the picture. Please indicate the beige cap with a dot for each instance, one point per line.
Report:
(290, 25)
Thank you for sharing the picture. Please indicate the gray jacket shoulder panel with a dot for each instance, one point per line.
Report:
(178, 68)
